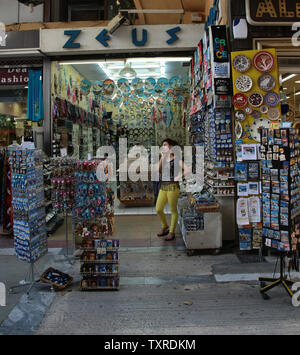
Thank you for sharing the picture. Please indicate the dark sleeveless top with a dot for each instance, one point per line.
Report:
(172, 173)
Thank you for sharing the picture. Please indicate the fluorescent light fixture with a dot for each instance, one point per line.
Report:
(297, 93)
(297, 82)
(289, 77)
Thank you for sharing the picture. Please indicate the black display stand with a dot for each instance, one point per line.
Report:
(282, 280)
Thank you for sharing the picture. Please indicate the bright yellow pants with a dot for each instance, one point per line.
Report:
(172, 198)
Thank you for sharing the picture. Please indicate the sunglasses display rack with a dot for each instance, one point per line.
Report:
(93, 225)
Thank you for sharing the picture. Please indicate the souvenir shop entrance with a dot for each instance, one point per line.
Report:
(97, 102)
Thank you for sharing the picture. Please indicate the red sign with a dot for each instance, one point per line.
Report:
(14, 76)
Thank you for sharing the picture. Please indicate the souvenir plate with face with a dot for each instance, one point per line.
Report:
(243, 83)
(241, 63)
(266, 82)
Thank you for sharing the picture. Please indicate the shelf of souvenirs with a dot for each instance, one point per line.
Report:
(214, 165)
(218, 175)
(213, 184)
(222, 191)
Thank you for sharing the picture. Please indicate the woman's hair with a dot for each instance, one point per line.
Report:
(171, 142)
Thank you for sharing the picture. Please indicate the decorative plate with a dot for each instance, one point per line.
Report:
(263, 62)
(240, 115)
(266, 82)
(241, 63)
(256, 114)
(248, 110)
(256, 99)
(238, 130)
(264, 109)
(274, 114)
(243, 83)
(272, 99)
(239, 100)
(255, 128)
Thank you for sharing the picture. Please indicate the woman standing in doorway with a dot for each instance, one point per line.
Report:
(169, 190)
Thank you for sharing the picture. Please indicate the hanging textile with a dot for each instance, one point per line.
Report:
(35, 96)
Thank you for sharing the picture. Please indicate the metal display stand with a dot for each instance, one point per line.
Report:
(282, 280)
(31, 281)
(69, 258)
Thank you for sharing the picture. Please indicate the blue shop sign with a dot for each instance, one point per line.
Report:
(138, 39)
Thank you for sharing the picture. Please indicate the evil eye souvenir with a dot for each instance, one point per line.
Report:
(264, 62)
(137, 84)
(123, 85)
(256, 99)
(243, 83)
(266, 82)
(238, 130)
(272, 99)
(241, 63)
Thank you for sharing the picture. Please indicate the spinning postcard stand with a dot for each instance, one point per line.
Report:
(30, 235)
(280, 154)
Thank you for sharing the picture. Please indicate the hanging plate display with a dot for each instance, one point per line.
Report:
(243, 83)
(256, 114)
(108, 87)
(97, 87)
(264, 109)
(163, 83)
(240, 115)
(241, 63)
(150, 85)
(238, 130)
(272, 99)
(256, 126)
(248, 110)
(266, 82)
(239, 101)
(175, 82)
(263, 62)
(256, 99)
(274, 114)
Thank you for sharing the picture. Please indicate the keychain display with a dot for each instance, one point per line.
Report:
(62, 183)
(28, 205)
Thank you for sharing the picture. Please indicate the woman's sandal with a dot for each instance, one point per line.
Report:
(163, 232)
(170, 237)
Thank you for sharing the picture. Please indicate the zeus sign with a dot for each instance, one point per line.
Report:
(103, 37)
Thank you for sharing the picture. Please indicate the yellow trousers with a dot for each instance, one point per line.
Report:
(172, 198)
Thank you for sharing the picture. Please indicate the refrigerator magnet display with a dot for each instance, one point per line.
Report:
(266, 82)
(263, 62)
(242, 63)
(243, 83)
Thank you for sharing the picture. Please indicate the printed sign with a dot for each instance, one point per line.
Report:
(14, 76)
(272, 12)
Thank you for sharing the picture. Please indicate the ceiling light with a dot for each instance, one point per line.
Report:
(128, 72)
(297, 82)
(297, 93)
(289, 77)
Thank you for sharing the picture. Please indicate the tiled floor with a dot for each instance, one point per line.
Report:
(121, 210)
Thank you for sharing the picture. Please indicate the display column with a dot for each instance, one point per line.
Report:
(93, 225)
